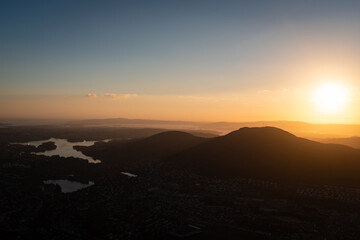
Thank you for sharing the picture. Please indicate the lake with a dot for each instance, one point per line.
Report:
(68, 186)
(128, 174)
(64, 148)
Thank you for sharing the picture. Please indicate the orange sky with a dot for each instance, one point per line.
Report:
(282, 104)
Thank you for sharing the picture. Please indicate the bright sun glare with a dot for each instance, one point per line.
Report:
(330, 98)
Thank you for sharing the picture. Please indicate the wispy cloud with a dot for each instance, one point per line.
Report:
(91, 95)
(111, 95)
(119, 96)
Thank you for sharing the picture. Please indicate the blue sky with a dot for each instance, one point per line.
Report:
(157, 47)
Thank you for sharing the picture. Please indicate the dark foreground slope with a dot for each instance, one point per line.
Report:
(143, 151)
(273, 154)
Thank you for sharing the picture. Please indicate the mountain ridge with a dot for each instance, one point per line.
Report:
(269, 152)
(144, 150)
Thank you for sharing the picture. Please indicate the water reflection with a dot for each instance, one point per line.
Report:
(69, 186)
(129, 174)
(64, 148)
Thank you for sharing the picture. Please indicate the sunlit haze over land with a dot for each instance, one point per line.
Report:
(181, 60)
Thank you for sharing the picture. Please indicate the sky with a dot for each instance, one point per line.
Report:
(178, 60)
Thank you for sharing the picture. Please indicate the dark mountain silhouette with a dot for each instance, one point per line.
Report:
(260, 152)
(271, 153)
(143, 151)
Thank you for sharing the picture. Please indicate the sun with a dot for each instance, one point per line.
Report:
(330, 98)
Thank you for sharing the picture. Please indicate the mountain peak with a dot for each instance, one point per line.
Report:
(259, 134)
(169, 134)
(262, 130)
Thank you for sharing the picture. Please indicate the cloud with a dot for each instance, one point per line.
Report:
(91, 95)
(119, 96)
(111, 95)
(264, 91)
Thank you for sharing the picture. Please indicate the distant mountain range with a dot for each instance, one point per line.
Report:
(265, 152)
(303, 129)
(353, 142)
(308, 130)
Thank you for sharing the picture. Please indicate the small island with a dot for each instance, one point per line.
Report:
(46, 146)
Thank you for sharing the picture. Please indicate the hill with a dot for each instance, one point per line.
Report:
(142, 151)
(271, 153)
